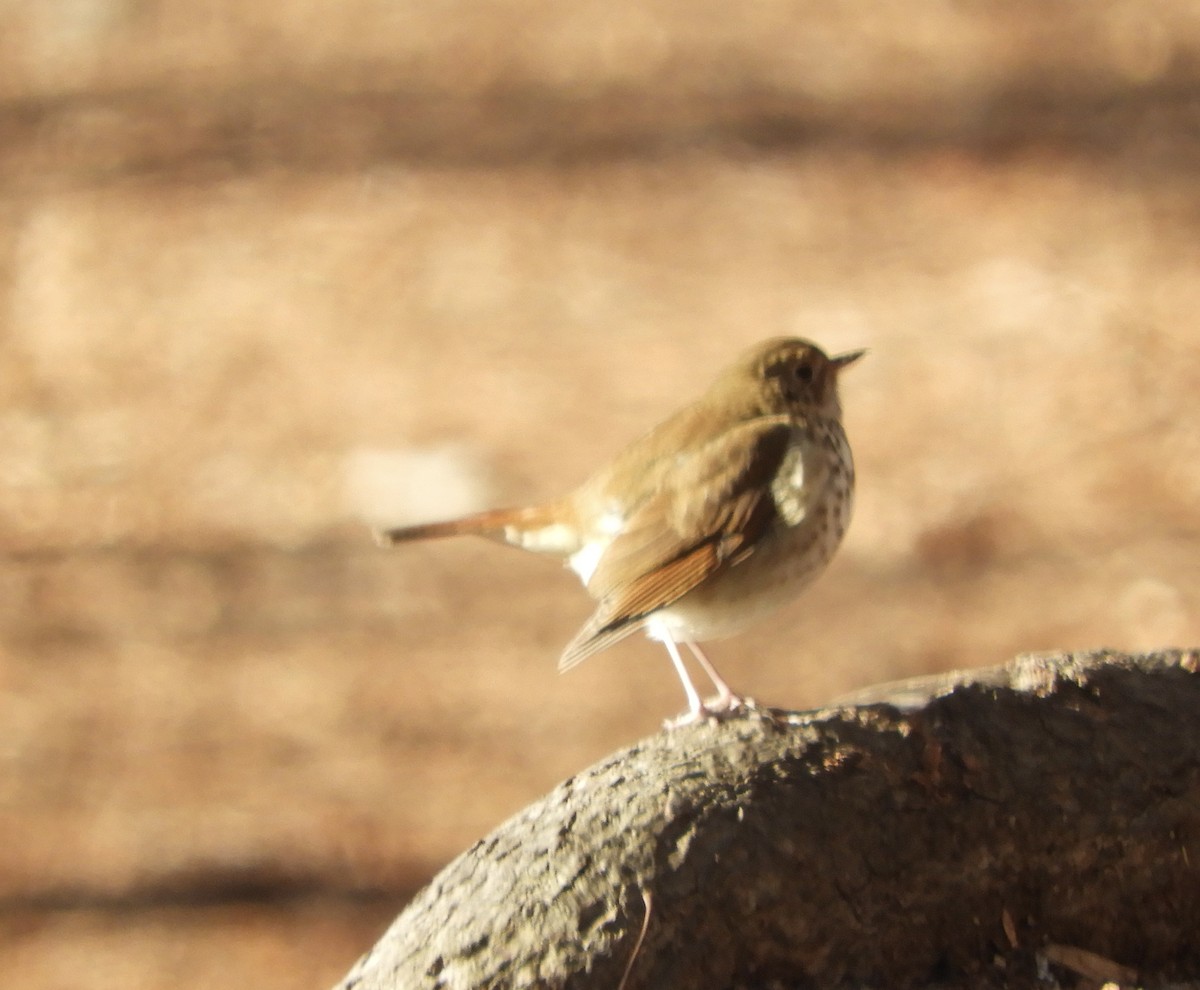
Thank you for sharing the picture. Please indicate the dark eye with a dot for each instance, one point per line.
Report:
(803, 373)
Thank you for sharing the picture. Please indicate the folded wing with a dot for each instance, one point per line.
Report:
(708, 513)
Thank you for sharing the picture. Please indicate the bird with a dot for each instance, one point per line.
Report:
(715, 517)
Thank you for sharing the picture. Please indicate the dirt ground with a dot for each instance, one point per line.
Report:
(271, 275)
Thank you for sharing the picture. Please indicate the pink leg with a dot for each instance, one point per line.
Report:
(726, 700)
(696, 709)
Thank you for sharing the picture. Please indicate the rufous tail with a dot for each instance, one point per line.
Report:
(524, 527)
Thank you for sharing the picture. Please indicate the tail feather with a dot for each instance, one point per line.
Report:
(489, 523)
(539, 528)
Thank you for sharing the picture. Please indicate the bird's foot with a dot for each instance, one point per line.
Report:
(715, 709)
(728, 703)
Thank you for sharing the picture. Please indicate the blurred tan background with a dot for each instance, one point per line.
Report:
(271, 272)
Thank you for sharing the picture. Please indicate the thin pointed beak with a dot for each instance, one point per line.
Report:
(842, 360)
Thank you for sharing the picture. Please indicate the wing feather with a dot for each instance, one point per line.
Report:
(707, 514)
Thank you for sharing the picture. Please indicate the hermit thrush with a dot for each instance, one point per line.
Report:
(716, 516)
